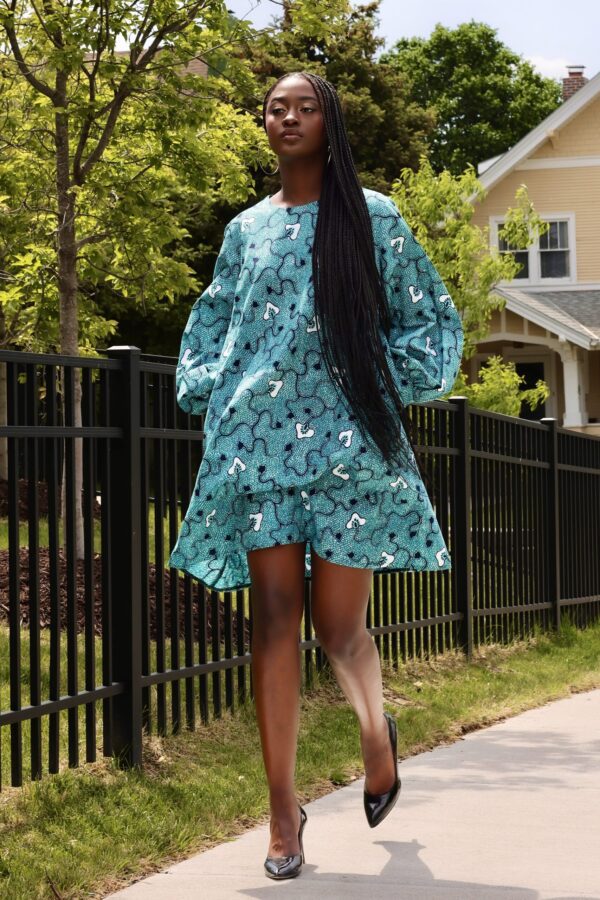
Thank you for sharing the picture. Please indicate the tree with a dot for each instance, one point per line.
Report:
(97, 149)
(387, 129)
(485, 97)
(499, 388)
(143, 142)
(439, 208)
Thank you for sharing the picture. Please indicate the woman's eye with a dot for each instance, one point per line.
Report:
(277, 109)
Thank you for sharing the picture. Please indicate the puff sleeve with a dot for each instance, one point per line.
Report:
(202, 342)
(426, 336)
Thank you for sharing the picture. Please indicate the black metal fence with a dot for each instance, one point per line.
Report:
(125, 646)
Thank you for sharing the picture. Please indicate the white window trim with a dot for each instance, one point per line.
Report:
(535, 278)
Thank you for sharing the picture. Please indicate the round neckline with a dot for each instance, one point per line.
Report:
(291, 208)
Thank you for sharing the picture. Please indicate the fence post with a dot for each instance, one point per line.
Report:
(461, 525)
(553, 518)
(124, 544)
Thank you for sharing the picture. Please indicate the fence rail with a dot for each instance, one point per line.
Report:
(124, 646)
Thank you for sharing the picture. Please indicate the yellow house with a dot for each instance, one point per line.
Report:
(550, 326)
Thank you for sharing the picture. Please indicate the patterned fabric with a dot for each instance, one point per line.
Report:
(250, 362)
(343, 522)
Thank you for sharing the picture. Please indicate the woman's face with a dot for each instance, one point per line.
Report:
(293, 107)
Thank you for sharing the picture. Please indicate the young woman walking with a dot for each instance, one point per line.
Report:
(324, 319)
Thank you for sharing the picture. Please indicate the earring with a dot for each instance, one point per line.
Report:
(328, 158)
(269, 173)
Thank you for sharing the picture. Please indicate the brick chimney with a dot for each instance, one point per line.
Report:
(574, 80)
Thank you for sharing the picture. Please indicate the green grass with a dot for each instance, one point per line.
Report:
(85, 832)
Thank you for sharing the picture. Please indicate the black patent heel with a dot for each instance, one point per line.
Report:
(280, 867)
(377, 806)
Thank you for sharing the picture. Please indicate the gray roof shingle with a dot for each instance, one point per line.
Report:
(577, 309)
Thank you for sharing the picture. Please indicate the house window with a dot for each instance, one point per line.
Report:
(521, 256)
(554, 251)
(550, 260)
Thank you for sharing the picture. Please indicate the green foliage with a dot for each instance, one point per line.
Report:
(439, 208)
(151, 146)
(499, 388)
(485, 96)
(386, 129)
(315, 19)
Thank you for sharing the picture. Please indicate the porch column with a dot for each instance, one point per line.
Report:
(575, 411)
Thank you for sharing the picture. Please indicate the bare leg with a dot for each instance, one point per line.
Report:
(339, 598)
(277, 596)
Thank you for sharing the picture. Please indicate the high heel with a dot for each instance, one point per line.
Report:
(377, 806)
(287, 866)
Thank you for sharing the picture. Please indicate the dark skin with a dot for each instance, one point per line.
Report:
(339, 594)
(294, 106)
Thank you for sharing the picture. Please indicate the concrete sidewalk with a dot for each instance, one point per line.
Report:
(510, 811)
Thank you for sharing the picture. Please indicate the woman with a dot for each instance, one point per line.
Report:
(324, 319)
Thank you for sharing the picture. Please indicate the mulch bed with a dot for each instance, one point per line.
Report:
(42, 493)
(43, 569)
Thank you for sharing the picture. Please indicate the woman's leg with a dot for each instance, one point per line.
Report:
(277, 597)
(339, 598)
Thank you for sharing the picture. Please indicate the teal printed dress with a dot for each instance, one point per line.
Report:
(284, 460)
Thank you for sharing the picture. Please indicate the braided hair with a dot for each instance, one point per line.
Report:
(350, 296)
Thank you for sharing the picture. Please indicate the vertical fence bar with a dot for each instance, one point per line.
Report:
(477, 552)
(541, 526)
(203, 652)
(106, 514)
(14, 566)
(169, 506)
(502, 599)
(215, 633)
(70, 552)
(376, 607)
(124, 540)
(386, 614)
(426, 577)
(35, 659)
(462, 542)
(495, 561)
(88, 412)
(159, 584)
(188, 619)
(242, 599)
(512, 501)
(395, 618)
(417, 578)
(53, 480)
(145, 450)
(486, 628)
(228, 638)
(553, 518)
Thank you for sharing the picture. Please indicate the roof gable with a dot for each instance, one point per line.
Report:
(502, 165)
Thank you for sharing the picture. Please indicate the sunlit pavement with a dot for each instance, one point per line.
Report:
(509, 811)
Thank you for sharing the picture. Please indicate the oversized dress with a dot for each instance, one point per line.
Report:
(251, 362)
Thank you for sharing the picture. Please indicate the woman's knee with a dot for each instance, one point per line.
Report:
(276, 614)
(341, 643)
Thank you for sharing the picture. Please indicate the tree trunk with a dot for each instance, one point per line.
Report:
(67, 279)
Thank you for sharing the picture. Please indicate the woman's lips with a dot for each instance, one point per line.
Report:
(291, 137)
